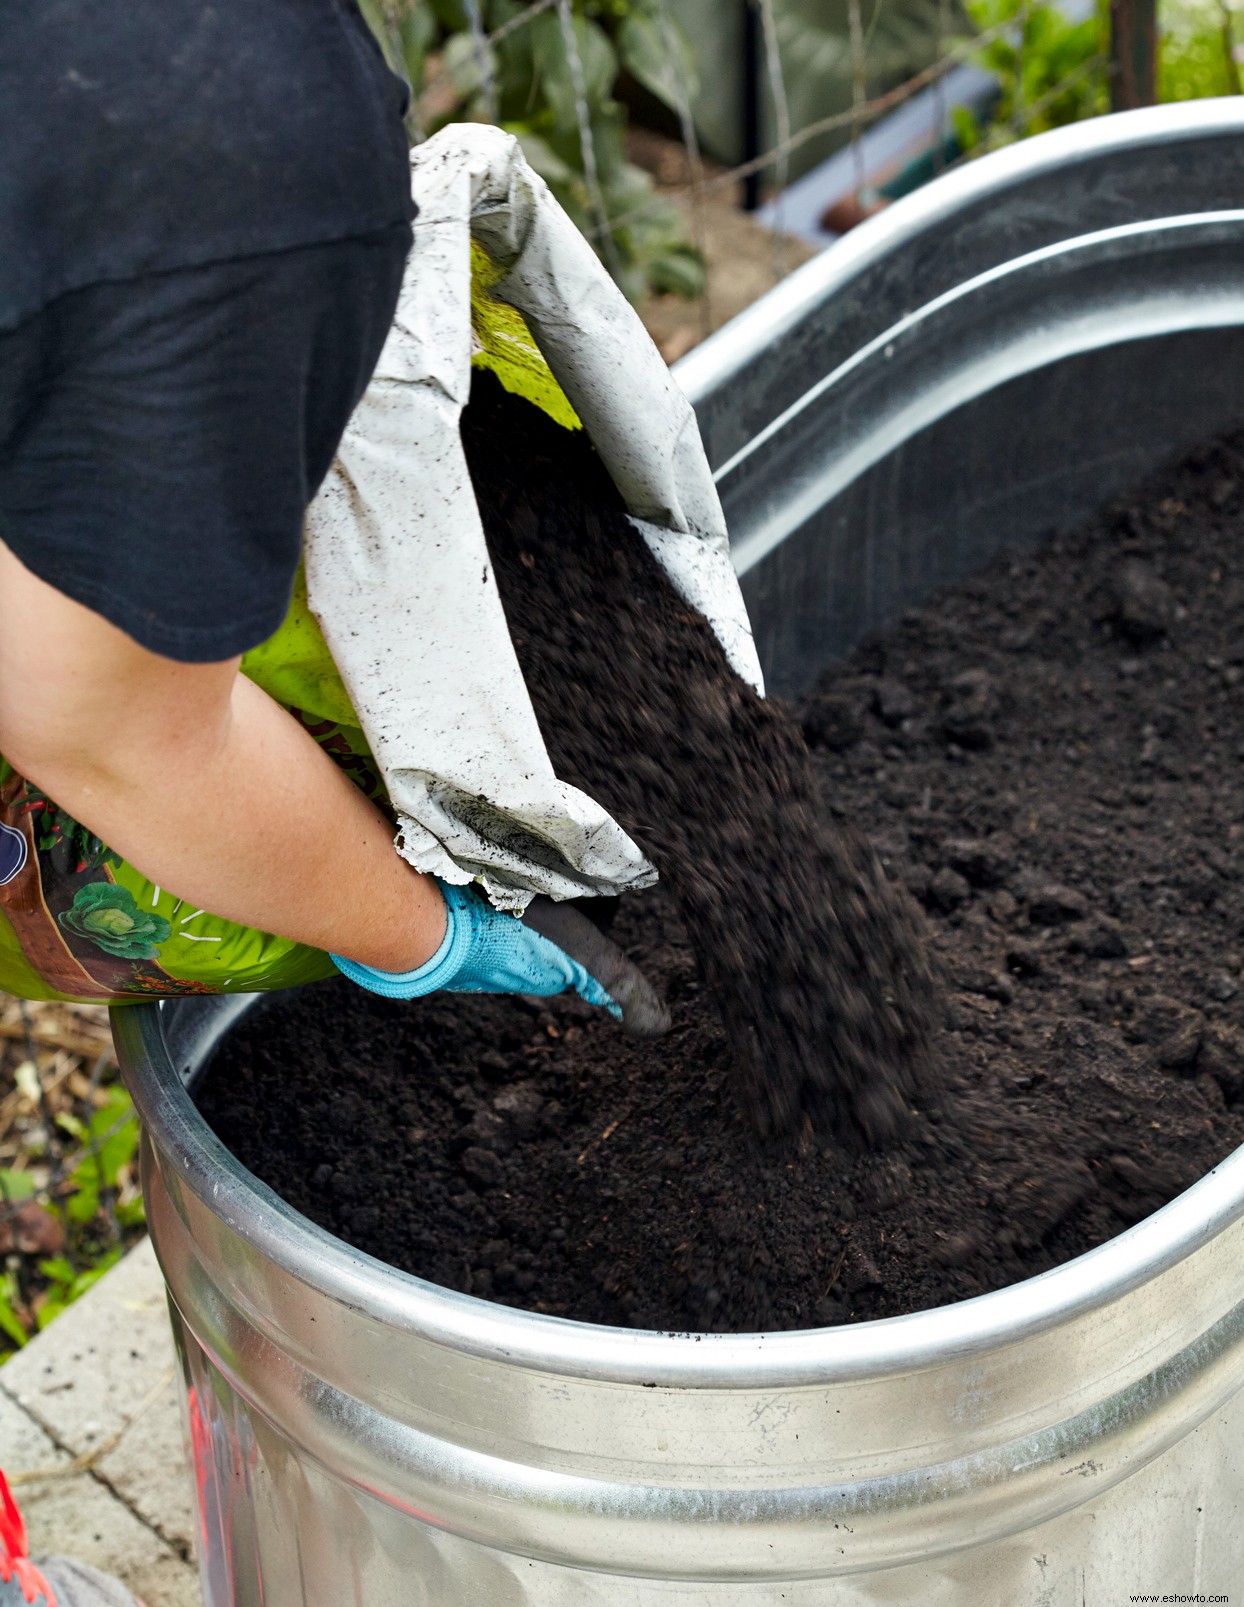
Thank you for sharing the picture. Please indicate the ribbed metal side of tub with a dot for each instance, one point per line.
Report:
(1059, 318)
(992, 358)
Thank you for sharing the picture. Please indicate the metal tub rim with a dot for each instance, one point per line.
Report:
(677, 1360)
(737, 343)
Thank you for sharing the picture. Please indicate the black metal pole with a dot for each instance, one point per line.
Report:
(1133, 54)
(753, 103)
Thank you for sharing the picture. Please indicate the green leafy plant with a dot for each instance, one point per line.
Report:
(65, 1284)
(11, 1325)
(90, 1210)
(69, 1196)
(108, 916)
(552, 85)
(15, 1186)
(109, 1139)
(1050, 69)
(1201, 49)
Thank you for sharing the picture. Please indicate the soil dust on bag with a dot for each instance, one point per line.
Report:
(1046, 758)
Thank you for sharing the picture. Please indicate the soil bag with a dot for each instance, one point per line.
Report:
(79, 923)
(398, 569)
(395, 654)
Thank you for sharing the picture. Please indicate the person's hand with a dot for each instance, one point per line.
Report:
(484, 951)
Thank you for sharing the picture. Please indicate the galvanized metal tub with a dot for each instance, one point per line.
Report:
(363, 1437)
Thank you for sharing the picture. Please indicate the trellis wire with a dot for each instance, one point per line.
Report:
(1096, 63)
(587, 144)
(691, 150)
(859, 90)
(520, 21)
(781, 112)
(483, 58)
(868, 112)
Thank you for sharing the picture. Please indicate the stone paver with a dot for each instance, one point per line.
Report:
(93, 1369)
(78, 1516)
(103, 1367)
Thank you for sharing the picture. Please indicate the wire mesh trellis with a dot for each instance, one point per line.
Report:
(693, 163)
(865, 93)
(483, 58)
(860, 116)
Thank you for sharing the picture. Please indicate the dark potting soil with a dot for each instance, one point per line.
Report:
(1047, 759)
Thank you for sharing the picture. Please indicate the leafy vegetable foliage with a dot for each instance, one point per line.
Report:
(526, 84)
(1044, 64)
(108, 916)
(1201, 49)
(65, 1284)
(91, 1213)
(109, 1139)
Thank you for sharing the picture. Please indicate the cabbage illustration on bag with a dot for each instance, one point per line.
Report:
(107, 916)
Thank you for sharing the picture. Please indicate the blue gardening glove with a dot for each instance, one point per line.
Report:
(484, 951)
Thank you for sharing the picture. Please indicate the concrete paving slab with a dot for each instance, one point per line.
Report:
(72, 1512)
(106, 1367)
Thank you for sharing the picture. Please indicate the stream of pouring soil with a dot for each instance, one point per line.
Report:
(816, 963)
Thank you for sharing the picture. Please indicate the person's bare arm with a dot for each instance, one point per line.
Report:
(202, 782)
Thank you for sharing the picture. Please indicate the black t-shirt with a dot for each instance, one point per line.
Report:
(138, 136)
(204, 217)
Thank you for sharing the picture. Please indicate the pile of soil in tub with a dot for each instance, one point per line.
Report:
(1046, 758)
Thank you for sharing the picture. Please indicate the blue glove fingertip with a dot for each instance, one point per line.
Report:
(590, 990)
(576, 974)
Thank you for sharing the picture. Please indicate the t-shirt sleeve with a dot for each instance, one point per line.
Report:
(161, 437)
